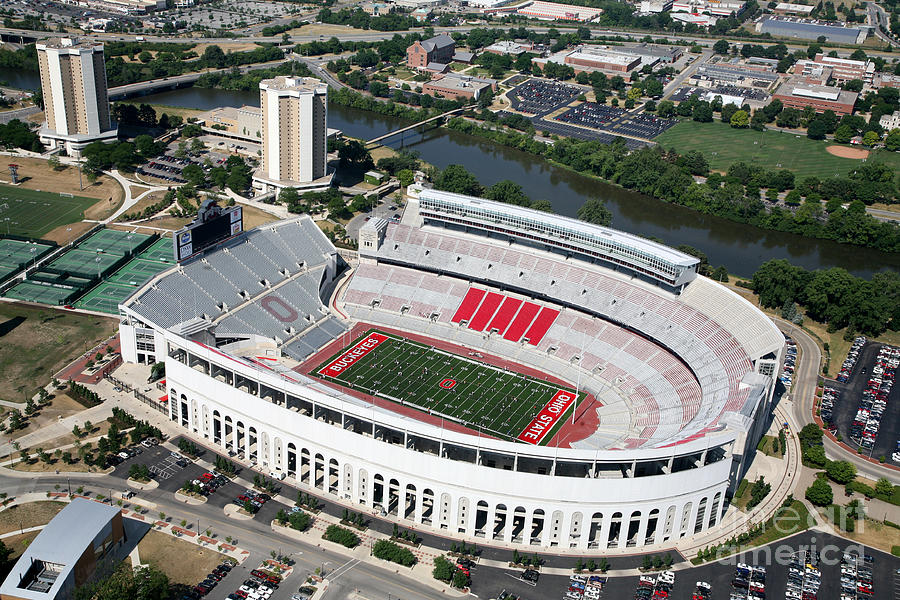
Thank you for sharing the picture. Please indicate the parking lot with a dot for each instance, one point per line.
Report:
(542, 96)
(615, 120)
(643, 125)
(864, 407)
(230, 13)
(591, 114)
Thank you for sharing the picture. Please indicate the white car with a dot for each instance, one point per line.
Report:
(703, 586)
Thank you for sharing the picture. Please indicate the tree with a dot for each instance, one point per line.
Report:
(721, 47)
(870, 138)
(817, 129)
(443, 569)
(884, 488)
(455, 178)
(819, 493)
(843, 134)
(508, 192)
(460, 579)
(406, 177)
(53, 162)
(841, 471)
(740, 119)
(595, 211)
(144, 583)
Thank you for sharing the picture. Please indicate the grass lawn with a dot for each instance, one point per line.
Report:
(460, 388)
(28, 515)
(765, 446)
(31, 213)
(724, 146)
(36, 342)
(157, 549)
(18, 544)
(794, 519)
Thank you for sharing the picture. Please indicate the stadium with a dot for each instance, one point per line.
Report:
(490, 372)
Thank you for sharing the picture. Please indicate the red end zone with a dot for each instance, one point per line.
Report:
(552, 412)
(346, 360)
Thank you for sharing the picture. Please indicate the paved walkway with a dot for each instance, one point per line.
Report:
(59, 428)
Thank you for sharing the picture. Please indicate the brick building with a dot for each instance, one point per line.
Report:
(797, 94)
(453, 85)
(437, 50)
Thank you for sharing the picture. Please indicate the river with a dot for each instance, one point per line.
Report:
(741, 248)
(17, 78)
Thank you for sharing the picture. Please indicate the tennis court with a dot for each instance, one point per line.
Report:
(105, 297)
(137, 272)
(32, 213)
(159, 251)
(35, 292)
(15, 253)
(84, 263)
(112, 241)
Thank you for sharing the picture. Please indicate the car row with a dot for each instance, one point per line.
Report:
(655, 588)
(251, 499)
(591, 114)
(260, 586)
(539, 96)
(790, 362)
(209, 482)
(874, 398)
(850, 361)
(643, 125)
(131, 452)
(830, 395)
(583, 587)
(702, 591)
(856, 577)
(207, 585)
(804, 578)
(749, 583)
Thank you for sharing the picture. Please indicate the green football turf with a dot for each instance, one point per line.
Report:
(724, 146)
(501, 403)
(32, 214)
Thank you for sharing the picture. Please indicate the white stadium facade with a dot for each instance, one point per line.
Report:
(681, 368)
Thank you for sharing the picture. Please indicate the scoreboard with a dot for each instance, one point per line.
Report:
(213, 225)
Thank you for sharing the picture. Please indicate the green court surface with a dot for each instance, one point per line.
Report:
(35, 292)
(14, 253)
(723, 146)
(136, 272)
(85, 263)
(480, 396)
(113, 241)
(159, 251)
(31, 213)
(105, 297)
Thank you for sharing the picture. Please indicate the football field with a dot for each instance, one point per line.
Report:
(494, 400)
(31, 213)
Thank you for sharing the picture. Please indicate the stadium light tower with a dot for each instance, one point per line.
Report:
(14, 173)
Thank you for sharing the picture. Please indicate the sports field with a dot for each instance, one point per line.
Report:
(724, 146)
(31, 213)
(463, 389)
(113, 290)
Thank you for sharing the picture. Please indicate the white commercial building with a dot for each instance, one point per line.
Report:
(294, 132)
(76, 104)
(680, 366)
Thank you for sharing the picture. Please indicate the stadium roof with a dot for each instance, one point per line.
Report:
(565, 223)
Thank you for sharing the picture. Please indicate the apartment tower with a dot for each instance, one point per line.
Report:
(294, 131)
(76, 104)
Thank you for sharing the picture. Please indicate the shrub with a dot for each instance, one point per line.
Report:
(443, 569)
(340, 535)
(819, 493)
(387, 550)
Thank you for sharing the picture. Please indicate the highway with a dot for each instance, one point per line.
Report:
(877, 18)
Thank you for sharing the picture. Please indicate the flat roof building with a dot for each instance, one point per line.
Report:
(735, 75)
(84, 539)
(696, 19)
(719, 8)
(453, 85)
(786, 8)
(797, 94)
(244, 123)
(807, 29)
(294, 132)
(553, 11)
(602, 59)
(76, 102)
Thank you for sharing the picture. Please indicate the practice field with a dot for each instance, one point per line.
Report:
(32, 214)
(723, 146)
(483, 397)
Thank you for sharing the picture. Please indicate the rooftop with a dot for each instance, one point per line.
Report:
(795, 87)
(304, 85)
(452, 81)
(438, 41)
(58, 546)
(69, 44)
(558, 222)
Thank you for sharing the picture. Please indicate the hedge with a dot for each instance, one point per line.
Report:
(388, 550)
(344, 537)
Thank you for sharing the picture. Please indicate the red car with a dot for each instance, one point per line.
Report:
(240, 593)
(254, 572)
(273, 579)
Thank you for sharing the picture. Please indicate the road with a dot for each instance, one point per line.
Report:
(317, 66)
(877, 18)
(685, 73)
(19, 113)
